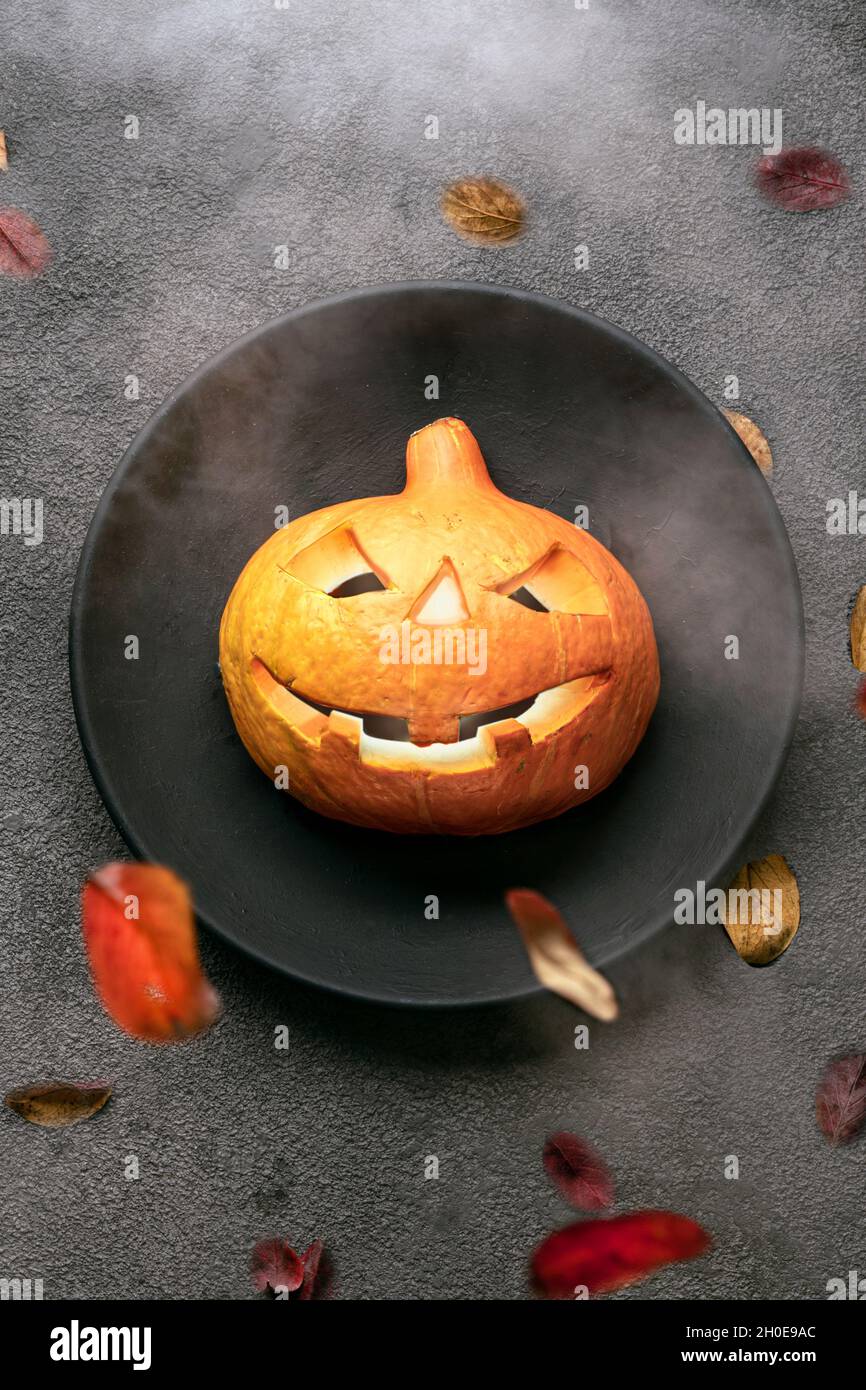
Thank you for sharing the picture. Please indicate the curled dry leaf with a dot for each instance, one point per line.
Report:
(24, 250)
(277, 1268)
(557, 960)
(803, 179)
(4, 153)
(858, 630)
(753, 438)
(483, 210)
(579, 1172)
(57, 1103)
(762, 909)
(603, 1255)
(317, 1272)
(140, 935)
(840, 1104)
(274, 1266)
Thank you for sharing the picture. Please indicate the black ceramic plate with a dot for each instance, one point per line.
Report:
(316, 408)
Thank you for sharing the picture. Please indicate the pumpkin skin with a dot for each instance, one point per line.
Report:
(446, 555)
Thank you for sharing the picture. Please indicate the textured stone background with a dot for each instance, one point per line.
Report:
(305, 126)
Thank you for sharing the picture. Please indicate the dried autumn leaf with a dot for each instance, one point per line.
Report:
(753, 438)
(858, 630)
(840, 1104)
(603, 1255)
(140, 936)
(57, 1103)
(4, 153)
(483, 210)
(802, 179)
(579, 1172)
(317, 1272)
(275, 1266)
(761, 924)
(557, 960)
(24, 250)
(860, 699)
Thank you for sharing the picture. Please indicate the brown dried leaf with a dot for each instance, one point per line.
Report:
(753, 438)
(858, 631)
(483, 210)
(555, 956)
(840, 1104)
(758, 931)
(57, 1103)
(4, 153)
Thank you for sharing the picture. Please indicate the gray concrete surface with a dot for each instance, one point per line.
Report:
(305, 126)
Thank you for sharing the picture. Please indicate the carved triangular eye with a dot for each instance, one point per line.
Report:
(528, 599)
(338, 566)
(368, 583)
(557, 583)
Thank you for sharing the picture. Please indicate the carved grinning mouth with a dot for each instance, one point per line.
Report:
(384, 739)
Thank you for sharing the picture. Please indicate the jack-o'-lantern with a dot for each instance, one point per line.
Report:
(444, 660)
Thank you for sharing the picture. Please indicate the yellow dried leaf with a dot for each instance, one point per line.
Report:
(753, 438)
(858, 631)
(4, 153)
(557, 960)
(483, 210)
(762, 909)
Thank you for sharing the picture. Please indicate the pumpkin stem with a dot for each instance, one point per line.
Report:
(446, 454)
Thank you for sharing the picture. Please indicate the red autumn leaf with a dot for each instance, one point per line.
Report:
(24, 250)
(603, 1255)
(316, 1272)
(580, 1173)
(860, 699)
(803, 179)
(140, 936)
(840, 1104)
(275, 1266)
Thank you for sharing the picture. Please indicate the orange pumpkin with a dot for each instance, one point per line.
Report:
(445, 660)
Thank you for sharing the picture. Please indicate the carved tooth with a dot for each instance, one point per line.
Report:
(507, 738)
(347, 726)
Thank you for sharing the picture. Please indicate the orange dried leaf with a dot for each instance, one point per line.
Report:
(858, 630)
(141, 942)
(555, 956)
(4, 153)
(483, 210)
(754, 439)
(58, 1103)
(762, 909)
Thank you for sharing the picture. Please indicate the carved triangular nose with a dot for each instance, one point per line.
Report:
(442, 601)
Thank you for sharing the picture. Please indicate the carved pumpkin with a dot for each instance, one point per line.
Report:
(445, 660)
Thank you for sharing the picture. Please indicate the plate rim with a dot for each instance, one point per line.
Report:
(624, 338)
